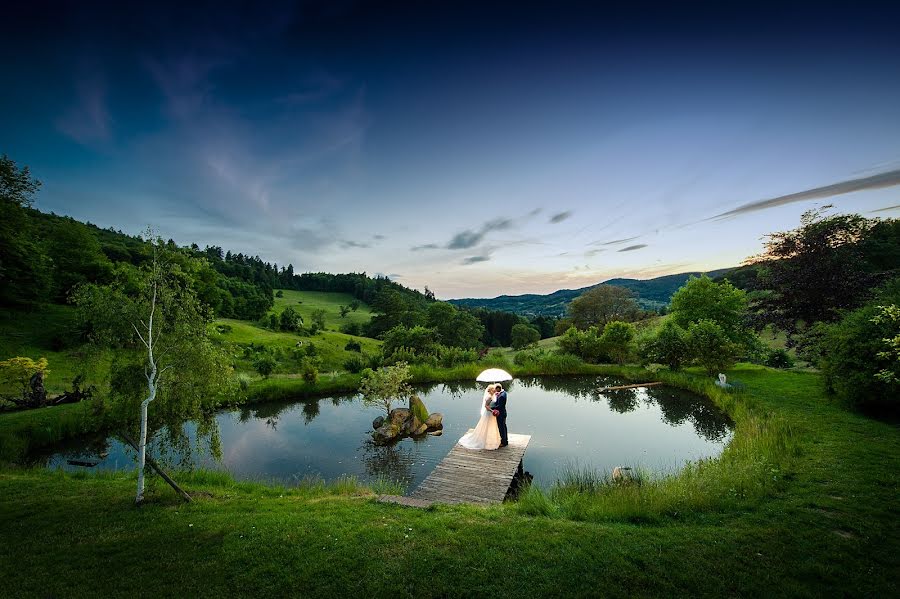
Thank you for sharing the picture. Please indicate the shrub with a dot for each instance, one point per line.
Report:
(710, 346)
(353, 346)
(453, 356)
(616, 340)
(859, 364)
(309, 372)
(16, 373)
(779, 358)
(356, 364)
(352, 328)
(265, 364)
(279, 293)
(289, 319)
(669, 346)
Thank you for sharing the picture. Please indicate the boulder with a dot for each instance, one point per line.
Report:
(435, 421)
(411, 425)
(398, 416)
(418, 408)
(436, 433)
(386, 433)
(421, 430)
(378, 422)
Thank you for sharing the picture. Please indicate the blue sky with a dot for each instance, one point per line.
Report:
(478, 151)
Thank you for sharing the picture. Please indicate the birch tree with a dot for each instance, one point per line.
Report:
(152, 319)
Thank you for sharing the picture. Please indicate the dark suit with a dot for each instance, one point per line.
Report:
(499, 404)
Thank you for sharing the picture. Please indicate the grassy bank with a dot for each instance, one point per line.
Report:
(828, 526)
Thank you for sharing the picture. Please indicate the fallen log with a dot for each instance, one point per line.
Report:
(152, 463)
(635, 386)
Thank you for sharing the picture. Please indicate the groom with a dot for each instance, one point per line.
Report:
(498, 406)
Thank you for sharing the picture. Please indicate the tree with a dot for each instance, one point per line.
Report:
(828, 264)
(354, 305)
(710, 346)
(318, 318)
(379, 388)
(23, 264)
(15, 376)
(344, 311)
(669, 346)
(524, 335)
(603, 304)
(700, 298)
(616, 340)
(289, 320)
(265, 364)
(162, 329)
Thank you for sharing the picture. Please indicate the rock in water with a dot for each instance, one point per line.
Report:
(386, 433)
(435, 421)
(398, 416)
(378, 422)
(423, 428)
(417, 407)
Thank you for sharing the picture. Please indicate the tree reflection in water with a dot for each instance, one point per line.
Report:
(392, 462)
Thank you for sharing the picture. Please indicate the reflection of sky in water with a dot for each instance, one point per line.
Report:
(571, 424)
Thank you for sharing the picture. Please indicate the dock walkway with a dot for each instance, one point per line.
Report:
(469, 476)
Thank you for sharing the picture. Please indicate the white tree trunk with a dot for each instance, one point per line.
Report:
(152, 379)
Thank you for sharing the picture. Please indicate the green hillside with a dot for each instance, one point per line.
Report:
(651, 294)
(306, 302)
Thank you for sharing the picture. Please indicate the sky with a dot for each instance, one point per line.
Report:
(479, 149)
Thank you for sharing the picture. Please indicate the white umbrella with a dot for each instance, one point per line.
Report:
(494, 375)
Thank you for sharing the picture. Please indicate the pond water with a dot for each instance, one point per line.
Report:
(571, 424)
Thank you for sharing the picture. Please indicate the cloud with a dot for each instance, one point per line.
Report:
(631, 248)
(354, 244)
(616, 241)
(887, 209)
(560, 217)
(469, 238)
(879, 181)
(592, 253)
(427, 246)
(476, 259)
(88, 122)
(379, 237)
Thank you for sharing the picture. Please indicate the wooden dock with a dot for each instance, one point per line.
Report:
(469, 476)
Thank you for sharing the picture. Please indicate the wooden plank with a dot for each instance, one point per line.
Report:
(619, 387)
(474, 476)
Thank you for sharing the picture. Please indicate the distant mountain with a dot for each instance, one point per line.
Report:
(651, 294)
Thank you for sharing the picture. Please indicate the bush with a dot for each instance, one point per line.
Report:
(352, 328)
(356, 364)
(309, 372)
(779, 358)
(353, 346)
(265, 364)
(289, 319)
(710, 346)
(449, 357)
(858, 363)
(669, 346)
(279, 293)
(616, 340)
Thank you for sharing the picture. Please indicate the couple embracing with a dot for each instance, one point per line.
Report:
(490, 432)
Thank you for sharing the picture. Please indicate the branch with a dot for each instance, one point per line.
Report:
(139, 335)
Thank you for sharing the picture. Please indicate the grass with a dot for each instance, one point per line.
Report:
(826, 524)
(306, 302)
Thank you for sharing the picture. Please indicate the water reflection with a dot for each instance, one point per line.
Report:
(569, 419)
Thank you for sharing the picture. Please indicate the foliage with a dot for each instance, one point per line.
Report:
(309, 372)
(289, 320)
(15, 375)
(356, 364)
(779, 358)
(265, 364)
(828, 264)
(524, 335)
(380, 388)
(669, 346)
(603, 304)
(616, 340)
(318, 318)
(703, 299)
(858, 359)
(353, 346)
(23, 265)
(710, 346)
(454, 327)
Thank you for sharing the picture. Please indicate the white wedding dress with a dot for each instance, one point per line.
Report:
(486, 435)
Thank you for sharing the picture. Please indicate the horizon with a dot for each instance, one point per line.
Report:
(477, 151)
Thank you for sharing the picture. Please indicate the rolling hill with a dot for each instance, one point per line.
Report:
(651, 294)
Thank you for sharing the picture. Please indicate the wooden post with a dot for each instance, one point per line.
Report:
(152, 463)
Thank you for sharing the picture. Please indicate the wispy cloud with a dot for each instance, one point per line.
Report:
(560, 217)
(427, 246)
(468, 239)
(615, 241)
(88, 122)
(592, 253)
(631, 248)
(887, 209)
(878, 181)
(354, 244)
(476, 259)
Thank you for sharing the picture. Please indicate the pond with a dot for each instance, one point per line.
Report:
(571, 424)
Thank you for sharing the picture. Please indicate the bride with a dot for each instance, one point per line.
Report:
(486, 435)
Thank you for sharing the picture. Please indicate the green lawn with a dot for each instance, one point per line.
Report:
(830, 528)
(305, 302)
